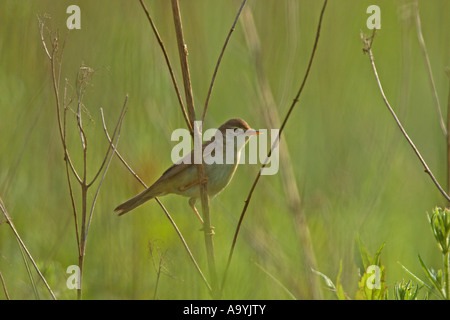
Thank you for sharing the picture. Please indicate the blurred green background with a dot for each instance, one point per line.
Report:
(355, 172)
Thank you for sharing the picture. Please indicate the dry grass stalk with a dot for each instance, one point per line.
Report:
(55, 55)
(267, 107)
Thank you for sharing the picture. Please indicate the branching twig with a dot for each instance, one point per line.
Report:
(294, 102)
(108, 157)
(83, 74)
(368, 49)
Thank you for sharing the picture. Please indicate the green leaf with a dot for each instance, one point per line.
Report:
(435, 278)
(406, 290)
(339, 288)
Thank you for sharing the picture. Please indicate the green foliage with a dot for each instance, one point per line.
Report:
(440, 226)
(406, 290)
(372, 283)
(438, 280)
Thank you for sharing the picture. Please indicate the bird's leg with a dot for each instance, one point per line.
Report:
(192, 204)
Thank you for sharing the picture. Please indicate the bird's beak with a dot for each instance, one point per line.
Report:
(251, 132)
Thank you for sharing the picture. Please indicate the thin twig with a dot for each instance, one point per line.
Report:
(24, 247)
(219, 60)
(30, 275)
(368, 49)
(4, 287)
(247, 201)
(41, 31)
(118, 129)
(267, 107)
(169, 66)
(55, 81)
(430, 73)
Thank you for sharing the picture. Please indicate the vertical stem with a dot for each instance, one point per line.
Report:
(183, 52)
(83, 236)
(208, 232)
(447, 70)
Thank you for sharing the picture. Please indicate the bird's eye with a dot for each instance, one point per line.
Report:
(235, 129)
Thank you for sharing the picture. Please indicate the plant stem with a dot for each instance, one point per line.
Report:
(208, 232)
(83, 237)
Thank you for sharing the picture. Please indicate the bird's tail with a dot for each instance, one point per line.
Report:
(136, 201)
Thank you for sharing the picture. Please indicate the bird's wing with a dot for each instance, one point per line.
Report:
(183, 163)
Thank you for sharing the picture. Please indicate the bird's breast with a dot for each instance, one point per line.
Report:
(219, 176)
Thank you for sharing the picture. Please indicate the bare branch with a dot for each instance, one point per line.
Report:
(268, 108)
(4, 287)
(108, 150)
(116, 129)
(368, 49)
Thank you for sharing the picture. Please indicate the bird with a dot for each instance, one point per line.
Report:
(182, 177)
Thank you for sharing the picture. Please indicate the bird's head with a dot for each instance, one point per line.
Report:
(236, 132)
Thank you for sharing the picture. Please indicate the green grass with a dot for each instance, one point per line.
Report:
(355, 172)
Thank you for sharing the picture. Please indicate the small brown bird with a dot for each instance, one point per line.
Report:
(182, 177)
